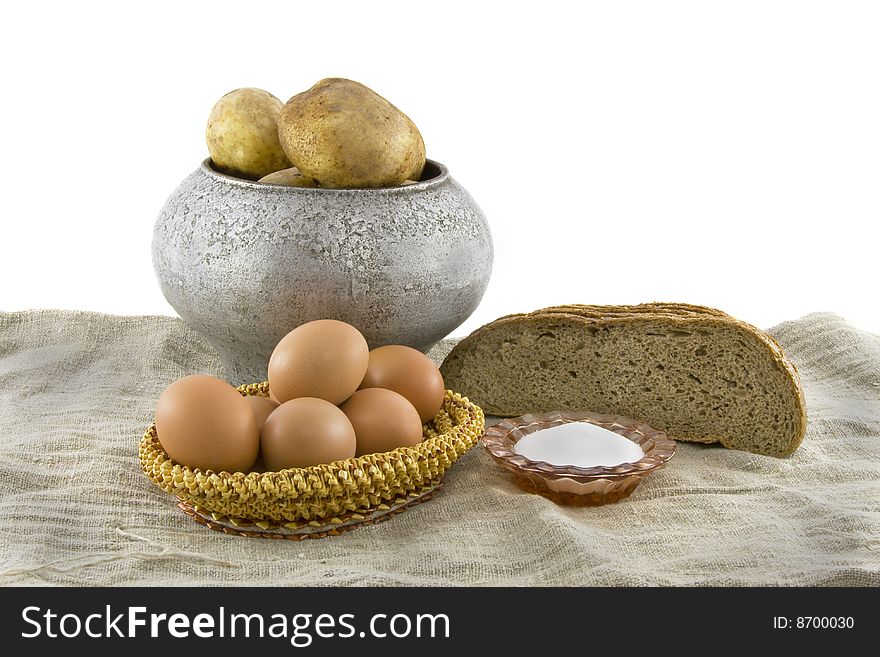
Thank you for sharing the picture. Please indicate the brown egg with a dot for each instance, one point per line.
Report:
(410, 373)
(306, 431)
(326, 359)
(205, 423)
(383, 420)
(262, 407)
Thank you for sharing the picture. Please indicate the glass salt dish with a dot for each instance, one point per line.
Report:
(574, 485)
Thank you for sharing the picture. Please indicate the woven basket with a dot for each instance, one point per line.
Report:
(321, 492)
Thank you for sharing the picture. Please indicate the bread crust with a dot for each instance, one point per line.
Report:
(685, 315)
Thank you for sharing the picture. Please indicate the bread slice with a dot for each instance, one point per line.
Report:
(695, 372)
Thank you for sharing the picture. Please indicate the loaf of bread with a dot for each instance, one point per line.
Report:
(695, 372)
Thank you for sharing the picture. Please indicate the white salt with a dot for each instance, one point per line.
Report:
(580, 444)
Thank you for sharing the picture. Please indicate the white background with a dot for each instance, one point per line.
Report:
(725, 154)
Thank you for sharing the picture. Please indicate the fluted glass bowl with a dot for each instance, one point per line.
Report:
(572, 485)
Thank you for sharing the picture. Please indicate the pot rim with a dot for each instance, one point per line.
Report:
(441, 176)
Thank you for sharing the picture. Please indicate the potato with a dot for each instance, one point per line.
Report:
(342, 134)
(288, 177)
(242, 133)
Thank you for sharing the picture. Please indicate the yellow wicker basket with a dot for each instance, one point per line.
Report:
(319, 495)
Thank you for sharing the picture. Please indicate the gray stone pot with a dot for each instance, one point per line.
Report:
(244, 263)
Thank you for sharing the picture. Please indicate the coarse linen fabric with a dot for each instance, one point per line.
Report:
(77, 391)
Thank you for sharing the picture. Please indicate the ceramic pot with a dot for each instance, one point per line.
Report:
(244, 263)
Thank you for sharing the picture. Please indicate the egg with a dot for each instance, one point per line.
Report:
(262, 407)
(326, 359)
(383, 420)
(205, 423)
(306, 431)
(410, 373)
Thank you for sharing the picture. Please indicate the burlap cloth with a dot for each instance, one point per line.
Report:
(78, 389)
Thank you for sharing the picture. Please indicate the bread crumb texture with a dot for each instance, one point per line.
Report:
(694, 372)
